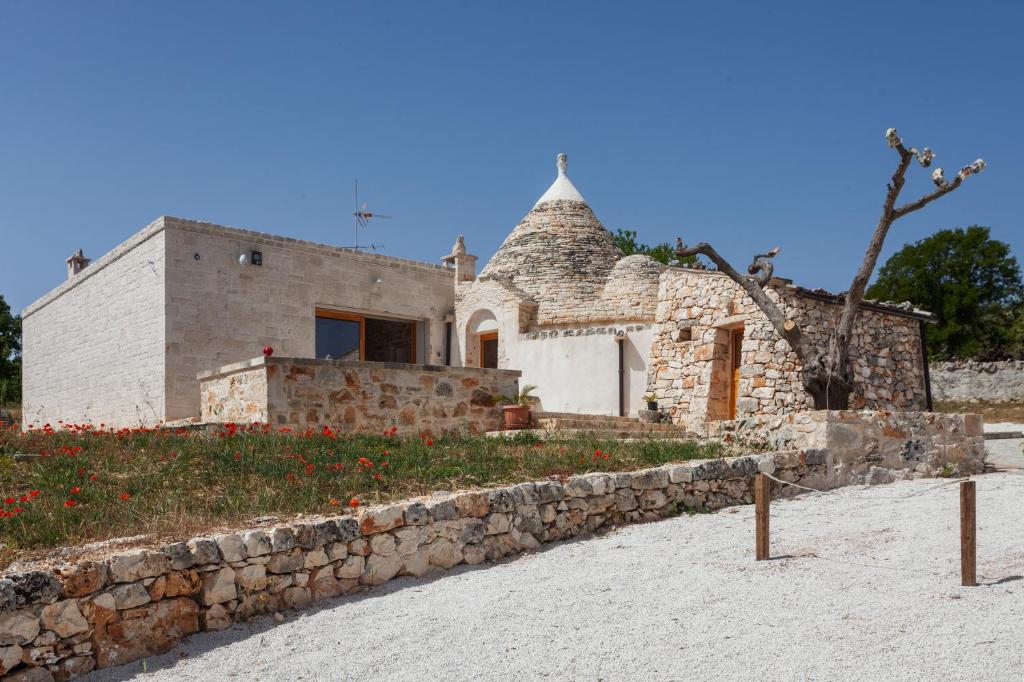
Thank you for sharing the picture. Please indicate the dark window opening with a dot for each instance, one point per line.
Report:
(346, 336)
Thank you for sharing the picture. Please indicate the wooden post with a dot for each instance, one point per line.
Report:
(762, 496)
(968, 535)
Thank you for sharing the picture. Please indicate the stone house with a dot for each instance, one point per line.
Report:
(129, 339)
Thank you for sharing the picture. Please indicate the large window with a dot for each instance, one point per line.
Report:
(347, 336)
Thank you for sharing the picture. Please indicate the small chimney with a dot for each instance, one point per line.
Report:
(464, 263)
(76, 263)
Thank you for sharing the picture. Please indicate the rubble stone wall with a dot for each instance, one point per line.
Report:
(68, 620)
(969, 381)
(368, 397)
(690, 372)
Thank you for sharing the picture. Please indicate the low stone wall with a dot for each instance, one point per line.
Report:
(969, 381)
(860, 442)
(368, 397)
(70, 619)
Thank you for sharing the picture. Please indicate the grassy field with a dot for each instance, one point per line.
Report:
(88, 485)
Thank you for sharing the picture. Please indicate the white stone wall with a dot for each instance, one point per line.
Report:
(970, 381)
(219, 312)
(94, 347)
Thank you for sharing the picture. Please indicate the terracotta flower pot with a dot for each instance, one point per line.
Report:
(516, 416)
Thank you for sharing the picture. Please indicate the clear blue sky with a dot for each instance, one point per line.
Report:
(749, 125)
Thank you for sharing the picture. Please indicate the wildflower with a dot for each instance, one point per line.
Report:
(75, 490)
(9, 500)
(124, 496)
(309, 469)
(23, 498)
(238, 456)
(333, 502)
(94, 477)
(33, 493)
(353, 503)
(328, 432)
(377, 476)
(69, 503)
(429, 442)
(17, 510)
(290, 477)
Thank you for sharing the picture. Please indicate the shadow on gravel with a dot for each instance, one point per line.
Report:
(1007, 579)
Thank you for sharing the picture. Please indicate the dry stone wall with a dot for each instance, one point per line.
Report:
(68, 620)
(367, 397)
(690, 372)
(970, 381)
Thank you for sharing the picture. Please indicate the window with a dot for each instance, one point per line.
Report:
(347, 336)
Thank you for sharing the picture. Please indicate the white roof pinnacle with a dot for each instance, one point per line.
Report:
(562, 188)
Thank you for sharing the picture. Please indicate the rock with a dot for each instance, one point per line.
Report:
(382, 544)
(442, 509)
(472, 531)
(218, 586)
(310, 535)
(215, 618)
(500, 500)
(182, 583)
(322, 583)
(34, 587)
(81, 579)
(64, 618)
(8, 597)
(18, 627)
(152, 629)
(360, 547)
(276, 583)
(179, 555)
(10, 656)
(474, 505)
(157, 588)
(251, 578)
(347, 529)
(301, 579)
(352, 567)
(416, 564)
(381, 519)
(278, 617)
(314, 558)
(143, 563)
(231, 547)
(380, 569)
(337, 551)
(286, 563)
(878, 475)
(444, 553)
(548, 491)
(255, 604)
(296, 597)
(651, 499)
(75, 666)
(30, 675)
(204, 551)
(474, 554)
(257, 543)
(497, 523)
(416, 514)
(129, 595)
(680, 474)
(625, 500)
(526, 541)
(649, 479)
(282, 539)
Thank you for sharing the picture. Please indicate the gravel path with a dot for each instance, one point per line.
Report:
(862, 586)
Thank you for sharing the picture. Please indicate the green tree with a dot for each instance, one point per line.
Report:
(626, 241)
(970, 281)
(10, 355)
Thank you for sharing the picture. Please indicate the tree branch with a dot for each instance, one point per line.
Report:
(785, 328)
(927, 198)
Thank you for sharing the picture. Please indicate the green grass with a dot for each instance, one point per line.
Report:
(176, 483)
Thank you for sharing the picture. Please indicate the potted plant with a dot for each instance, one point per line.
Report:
(517, 411)
(652, 402)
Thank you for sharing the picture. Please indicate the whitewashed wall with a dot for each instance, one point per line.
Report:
(94, 346)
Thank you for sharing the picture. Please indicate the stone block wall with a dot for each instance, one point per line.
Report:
(111, 610)
(970, 381)
(366, 397)
(861, 444)
(690, 373)
(94, 346)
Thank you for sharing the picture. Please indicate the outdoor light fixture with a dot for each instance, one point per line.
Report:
(257, 258)
(243, 260)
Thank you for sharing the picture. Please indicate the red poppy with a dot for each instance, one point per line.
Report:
(430, 442)
(94, 477)
(377, 476)
(9, 500)
(353, 503)
(124, 496)
(238, 456)
(23, 498)
(17, 510)
(75, 490)
(33, 493)
(69, 503)
(333, 502)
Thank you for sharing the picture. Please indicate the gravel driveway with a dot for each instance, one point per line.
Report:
(861, 586)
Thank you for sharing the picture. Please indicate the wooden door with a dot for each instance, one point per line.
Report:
(489, 350)
(735, 355)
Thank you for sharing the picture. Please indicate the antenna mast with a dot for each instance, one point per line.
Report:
(360, 217)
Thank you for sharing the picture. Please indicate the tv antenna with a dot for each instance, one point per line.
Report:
(360, 218)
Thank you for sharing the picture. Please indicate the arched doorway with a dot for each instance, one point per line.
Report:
(482, 340)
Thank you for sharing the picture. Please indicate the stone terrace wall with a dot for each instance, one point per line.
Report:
(966, 380)
(690, 374)
(367, 397)
(866, 445)
(104, 612)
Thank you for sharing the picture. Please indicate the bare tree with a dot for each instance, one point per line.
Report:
(825, 368)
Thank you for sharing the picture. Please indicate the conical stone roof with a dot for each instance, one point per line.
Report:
(560, 254)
